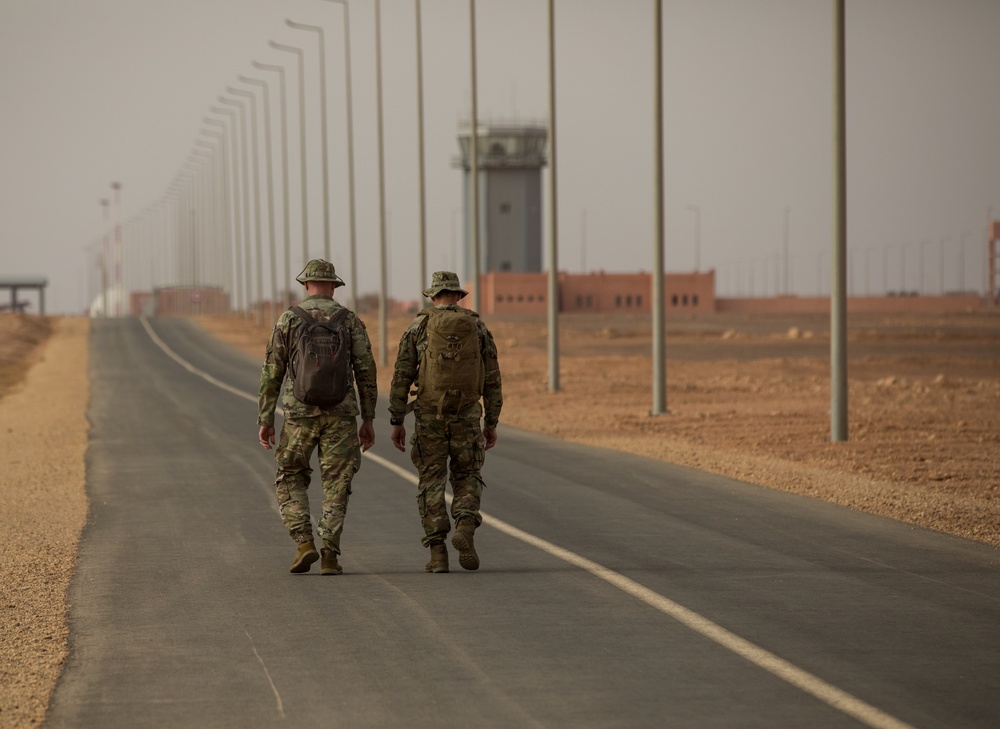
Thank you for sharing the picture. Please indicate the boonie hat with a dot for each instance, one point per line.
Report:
(444, 281)
(319, 270)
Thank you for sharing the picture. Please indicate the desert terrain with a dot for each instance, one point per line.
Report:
(748, 397)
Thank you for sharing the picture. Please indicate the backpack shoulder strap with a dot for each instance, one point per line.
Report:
(302, 314)
(339, 316)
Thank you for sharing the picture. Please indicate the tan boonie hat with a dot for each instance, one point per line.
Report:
(444, 281)
(319, 270)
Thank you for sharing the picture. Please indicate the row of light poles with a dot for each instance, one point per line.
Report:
(212, 190)
(740, 275)
(236, 185)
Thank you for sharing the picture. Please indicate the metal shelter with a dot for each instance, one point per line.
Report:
(16, 283)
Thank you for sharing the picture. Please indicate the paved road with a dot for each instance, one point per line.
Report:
(615, 591)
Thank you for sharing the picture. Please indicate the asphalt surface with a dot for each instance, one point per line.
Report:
(614, 591)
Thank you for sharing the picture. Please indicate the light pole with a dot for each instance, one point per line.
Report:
(284, 173)
(302, 145)
(239, 236)
(838, 261)
(262, 85)
(383, 288)
(553, 278)
(322, 130)
(785, 283)
(222, 207)
(944, 241)
(258, 256)
(923, 245)
(696, 209)
(117, 187)
(961, 261)
(256, 193)
(105, 258)
(474, 159)
(659, 310)
(350, 151)
(245, 168)
(420, 148)
(206, 184)
(227, 231)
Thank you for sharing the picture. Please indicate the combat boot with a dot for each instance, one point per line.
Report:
(304, 558)
(330, 565)
(439, 558)
(462, 541)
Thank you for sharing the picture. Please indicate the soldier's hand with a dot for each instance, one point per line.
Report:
(366, 433)
(399, 437)
(490, 434)
(266, 436)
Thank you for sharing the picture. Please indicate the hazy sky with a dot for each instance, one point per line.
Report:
(95, 91)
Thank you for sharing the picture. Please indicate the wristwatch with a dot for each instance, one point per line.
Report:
(395, 421)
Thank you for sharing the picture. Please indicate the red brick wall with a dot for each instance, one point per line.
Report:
(505, 293)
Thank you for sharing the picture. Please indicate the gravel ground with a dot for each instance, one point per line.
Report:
(748, 397)
(43, 506)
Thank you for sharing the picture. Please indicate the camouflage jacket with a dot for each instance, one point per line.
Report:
(411, 347)
(276, 360)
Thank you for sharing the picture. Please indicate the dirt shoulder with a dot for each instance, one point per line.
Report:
(43, 503)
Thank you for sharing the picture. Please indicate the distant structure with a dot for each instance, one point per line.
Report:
(510, 157)
(16, 284)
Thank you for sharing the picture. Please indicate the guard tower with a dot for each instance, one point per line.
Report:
(510, 157)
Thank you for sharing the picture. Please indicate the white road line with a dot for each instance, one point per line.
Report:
(277, 696)
(779, 667)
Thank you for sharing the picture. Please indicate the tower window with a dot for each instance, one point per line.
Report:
(504, 207)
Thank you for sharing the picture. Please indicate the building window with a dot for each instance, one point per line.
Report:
(628, 301)
(541, 298)
(531, 297)
(505, 265)
(499, 299)
(638, 300)
(520, 298)
(684, 300)
(579, 302)
(510, 297)
(694, 299)
(618, 301)
(504, 207)
(673, 300)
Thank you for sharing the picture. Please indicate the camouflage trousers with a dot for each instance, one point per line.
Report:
(448, 449)
(339, 460)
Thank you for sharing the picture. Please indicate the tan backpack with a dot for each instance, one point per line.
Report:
(451, 367)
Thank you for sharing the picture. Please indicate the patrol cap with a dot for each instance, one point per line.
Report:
(444, 281)
(319, 270)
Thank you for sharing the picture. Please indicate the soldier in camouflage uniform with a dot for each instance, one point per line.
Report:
(333, 429)
(458, 437)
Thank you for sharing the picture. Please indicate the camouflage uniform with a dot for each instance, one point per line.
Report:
(333, 429)
(456, 437)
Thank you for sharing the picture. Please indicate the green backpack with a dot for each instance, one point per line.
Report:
(451, 367)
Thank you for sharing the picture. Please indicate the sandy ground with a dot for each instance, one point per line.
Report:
(748, 397)
(43, 504)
